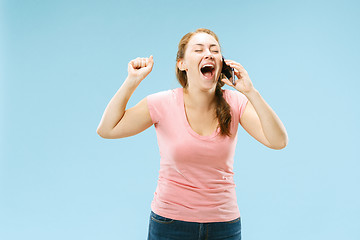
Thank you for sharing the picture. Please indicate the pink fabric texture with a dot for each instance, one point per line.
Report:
(195, 181)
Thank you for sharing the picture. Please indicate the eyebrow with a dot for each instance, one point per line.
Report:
(211, 45)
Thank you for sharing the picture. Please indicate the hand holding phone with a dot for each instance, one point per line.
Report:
(228, 72)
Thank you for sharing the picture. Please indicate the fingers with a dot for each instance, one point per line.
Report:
(143, 63)
(235, 65)
(133, 64)
(138, 63)
(238, 68)
(227, 82)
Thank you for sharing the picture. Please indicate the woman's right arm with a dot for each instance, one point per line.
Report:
(117, 122)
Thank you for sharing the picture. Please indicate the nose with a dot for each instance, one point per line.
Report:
(208, 54)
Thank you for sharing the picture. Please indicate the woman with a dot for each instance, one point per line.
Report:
(196, 128)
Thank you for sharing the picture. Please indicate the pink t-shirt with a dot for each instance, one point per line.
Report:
(195, 181)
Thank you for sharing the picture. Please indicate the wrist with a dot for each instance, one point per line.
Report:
(252, 93)
(132, 82)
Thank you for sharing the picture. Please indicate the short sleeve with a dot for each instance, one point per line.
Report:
(237, 101)
(157, 104)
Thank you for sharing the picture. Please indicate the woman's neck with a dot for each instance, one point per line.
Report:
(198, 99)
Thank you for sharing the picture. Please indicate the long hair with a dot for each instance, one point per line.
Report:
(222, 107)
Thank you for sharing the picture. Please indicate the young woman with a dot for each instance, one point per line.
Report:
(196, 128)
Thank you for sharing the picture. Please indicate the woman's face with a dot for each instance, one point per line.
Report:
(202, 61)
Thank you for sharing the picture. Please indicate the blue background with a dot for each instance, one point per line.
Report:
(62, 61)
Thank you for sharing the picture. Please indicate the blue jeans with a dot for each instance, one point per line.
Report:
(161, 228)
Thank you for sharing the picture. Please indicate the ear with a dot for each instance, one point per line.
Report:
(181, 65)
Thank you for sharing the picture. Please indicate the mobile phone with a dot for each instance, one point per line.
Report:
(228, 71)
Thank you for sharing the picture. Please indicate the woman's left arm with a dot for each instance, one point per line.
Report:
(258, 119)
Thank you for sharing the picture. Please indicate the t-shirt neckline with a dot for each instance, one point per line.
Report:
(186, 122)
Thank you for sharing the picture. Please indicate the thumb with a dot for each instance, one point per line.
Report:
(150, 62)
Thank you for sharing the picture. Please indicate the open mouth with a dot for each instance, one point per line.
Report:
(208, 71)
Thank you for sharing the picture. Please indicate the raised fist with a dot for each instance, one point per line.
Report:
(139, 68)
